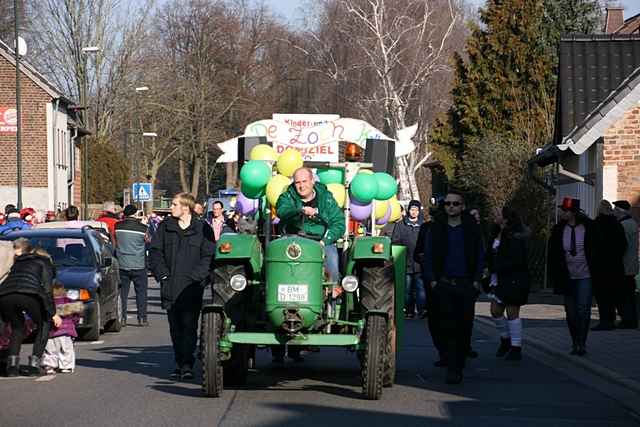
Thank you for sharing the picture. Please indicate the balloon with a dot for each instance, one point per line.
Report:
(381, 208)
(360, 212)
(387, 186)
(276, 186)
(339, 193)
(366, 171)
(385, 218)
(275, 221)
(289, 161)
(245, 205)
(254, 175)
(331, 176)
(364, 188)
(263, 152)
(396, 210)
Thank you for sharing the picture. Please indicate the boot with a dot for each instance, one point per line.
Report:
(33, 367)
(515, 354)
(505, 345)
(13, 366)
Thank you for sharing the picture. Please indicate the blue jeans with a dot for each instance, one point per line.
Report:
(577, 306)
(415, 295)
(140, 285)
(332, 262)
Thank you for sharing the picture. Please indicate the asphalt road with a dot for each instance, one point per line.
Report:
(123, 381)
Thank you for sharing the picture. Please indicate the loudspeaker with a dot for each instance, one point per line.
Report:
(380, 152)
(245, 144)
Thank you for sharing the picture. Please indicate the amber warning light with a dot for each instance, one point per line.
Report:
(225, 248)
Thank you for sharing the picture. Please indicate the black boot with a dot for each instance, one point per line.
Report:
(515, 354)
(13, 366)
(505, 345)
(33, 367)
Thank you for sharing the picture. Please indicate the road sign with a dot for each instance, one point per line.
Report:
(142, 191)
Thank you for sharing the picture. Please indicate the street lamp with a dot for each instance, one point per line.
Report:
(20, 49)
(83, 101)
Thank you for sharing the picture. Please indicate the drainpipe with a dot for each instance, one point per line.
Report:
(72, 163)
(55, 166)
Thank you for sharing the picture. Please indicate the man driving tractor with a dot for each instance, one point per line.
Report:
(308, 206)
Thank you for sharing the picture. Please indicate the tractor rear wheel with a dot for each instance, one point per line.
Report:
(212, 373)
(374, 356)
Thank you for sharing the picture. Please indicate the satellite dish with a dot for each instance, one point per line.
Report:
(22, 47)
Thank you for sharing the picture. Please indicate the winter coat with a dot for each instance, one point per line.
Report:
(179, 258)
(610, 245)
(111, 220)
(130, 247)
(631, 265)
(406, 233)
(418, 254)
(13, 224)
(510, 263)
(31, 274)
(329, 223)
(557, 269)
(69, 310)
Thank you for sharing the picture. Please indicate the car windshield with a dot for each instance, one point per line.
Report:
(66, 252)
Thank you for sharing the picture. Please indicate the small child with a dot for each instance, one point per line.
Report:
(59, 354)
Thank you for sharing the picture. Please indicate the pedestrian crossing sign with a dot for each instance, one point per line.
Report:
(142, 192)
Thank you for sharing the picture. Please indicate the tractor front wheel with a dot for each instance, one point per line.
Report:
(212, 373)
(375, 352)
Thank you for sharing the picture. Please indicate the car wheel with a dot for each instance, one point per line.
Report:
(115, 324)
(93, 333)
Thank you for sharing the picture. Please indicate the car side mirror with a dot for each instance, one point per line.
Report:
(107, 262)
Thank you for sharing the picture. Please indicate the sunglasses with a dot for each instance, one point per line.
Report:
(452, 203)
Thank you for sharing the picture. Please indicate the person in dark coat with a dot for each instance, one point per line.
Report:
(610, 244)
(507, 262)
(406, 233)
(28, 289)
(453, 265)
(571, 259)
(180, 257)
(626, 290)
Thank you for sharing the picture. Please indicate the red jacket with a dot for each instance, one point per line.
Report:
(110, 219)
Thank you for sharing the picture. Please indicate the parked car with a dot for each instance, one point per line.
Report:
(86, 266)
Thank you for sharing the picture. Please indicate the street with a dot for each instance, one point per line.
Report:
(122, 380)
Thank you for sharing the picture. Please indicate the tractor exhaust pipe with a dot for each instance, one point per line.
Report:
(292, 321)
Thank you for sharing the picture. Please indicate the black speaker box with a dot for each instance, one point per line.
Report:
(245, 144)
(380, 152)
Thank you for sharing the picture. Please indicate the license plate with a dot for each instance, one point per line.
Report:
(293, 293)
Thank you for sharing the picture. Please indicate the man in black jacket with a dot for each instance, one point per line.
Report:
(131, 250)
(453, 265)
(180, 255)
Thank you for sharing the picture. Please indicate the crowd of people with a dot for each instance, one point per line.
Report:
(452, 258)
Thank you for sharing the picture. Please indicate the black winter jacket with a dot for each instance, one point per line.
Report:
(180, 258)
(610, 245)
(32, 274)
(510, 262)
(406, 233)
(556, 260)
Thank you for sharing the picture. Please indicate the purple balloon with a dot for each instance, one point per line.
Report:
(275, 221)
(360, 212)
(245, 205)
(385, 218)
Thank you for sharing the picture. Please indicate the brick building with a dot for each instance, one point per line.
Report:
(596, 147)
(50, 138)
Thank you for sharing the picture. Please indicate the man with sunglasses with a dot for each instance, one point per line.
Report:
(452, 266)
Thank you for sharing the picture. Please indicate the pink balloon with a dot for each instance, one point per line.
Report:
(245, 205)
(385, 218)
(360, 212)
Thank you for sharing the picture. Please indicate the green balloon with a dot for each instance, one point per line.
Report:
(364, 188)
(331, 176)
(254, 176)
(387, 186)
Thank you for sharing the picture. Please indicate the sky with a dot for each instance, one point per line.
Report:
(291, 9)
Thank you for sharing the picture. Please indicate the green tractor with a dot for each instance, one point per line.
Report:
(274, 292)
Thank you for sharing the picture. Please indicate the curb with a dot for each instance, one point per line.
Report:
(601, 371)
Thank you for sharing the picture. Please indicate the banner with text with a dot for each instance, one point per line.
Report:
(8, 121)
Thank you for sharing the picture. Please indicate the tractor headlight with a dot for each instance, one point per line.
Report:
(350, 283)
(238, 282)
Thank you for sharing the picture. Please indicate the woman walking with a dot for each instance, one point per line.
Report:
(509, 284)
(28, 289)
(180, 258)
(570, 263)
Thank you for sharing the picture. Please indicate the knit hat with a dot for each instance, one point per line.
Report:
(130, 210)
(414, 203)
(622, 204)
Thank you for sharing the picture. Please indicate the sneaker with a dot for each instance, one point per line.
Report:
(176, 374)
(49, 370)
(66, 371)
(187, 373)
(515, 354)
(505, 345)
(143, 323)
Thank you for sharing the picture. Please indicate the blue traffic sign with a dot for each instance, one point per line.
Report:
(142, 191)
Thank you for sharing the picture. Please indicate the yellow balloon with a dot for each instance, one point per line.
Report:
(396, 210)
(289, 161)
(367, 171)
(339, 193)
(263, 152)
(275, 187)
(381, 208)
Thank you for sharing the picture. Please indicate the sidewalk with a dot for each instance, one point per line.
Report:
(613, 355)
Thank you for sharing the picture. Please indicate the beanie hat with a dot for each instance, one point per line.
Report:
(130, 210)
(622, 204)
(415, 203)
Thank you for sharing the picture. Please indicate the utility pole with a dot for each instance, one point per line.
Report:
(18, 130)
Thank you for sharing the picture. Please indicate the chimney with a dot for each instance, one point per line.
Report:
(615, 19)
